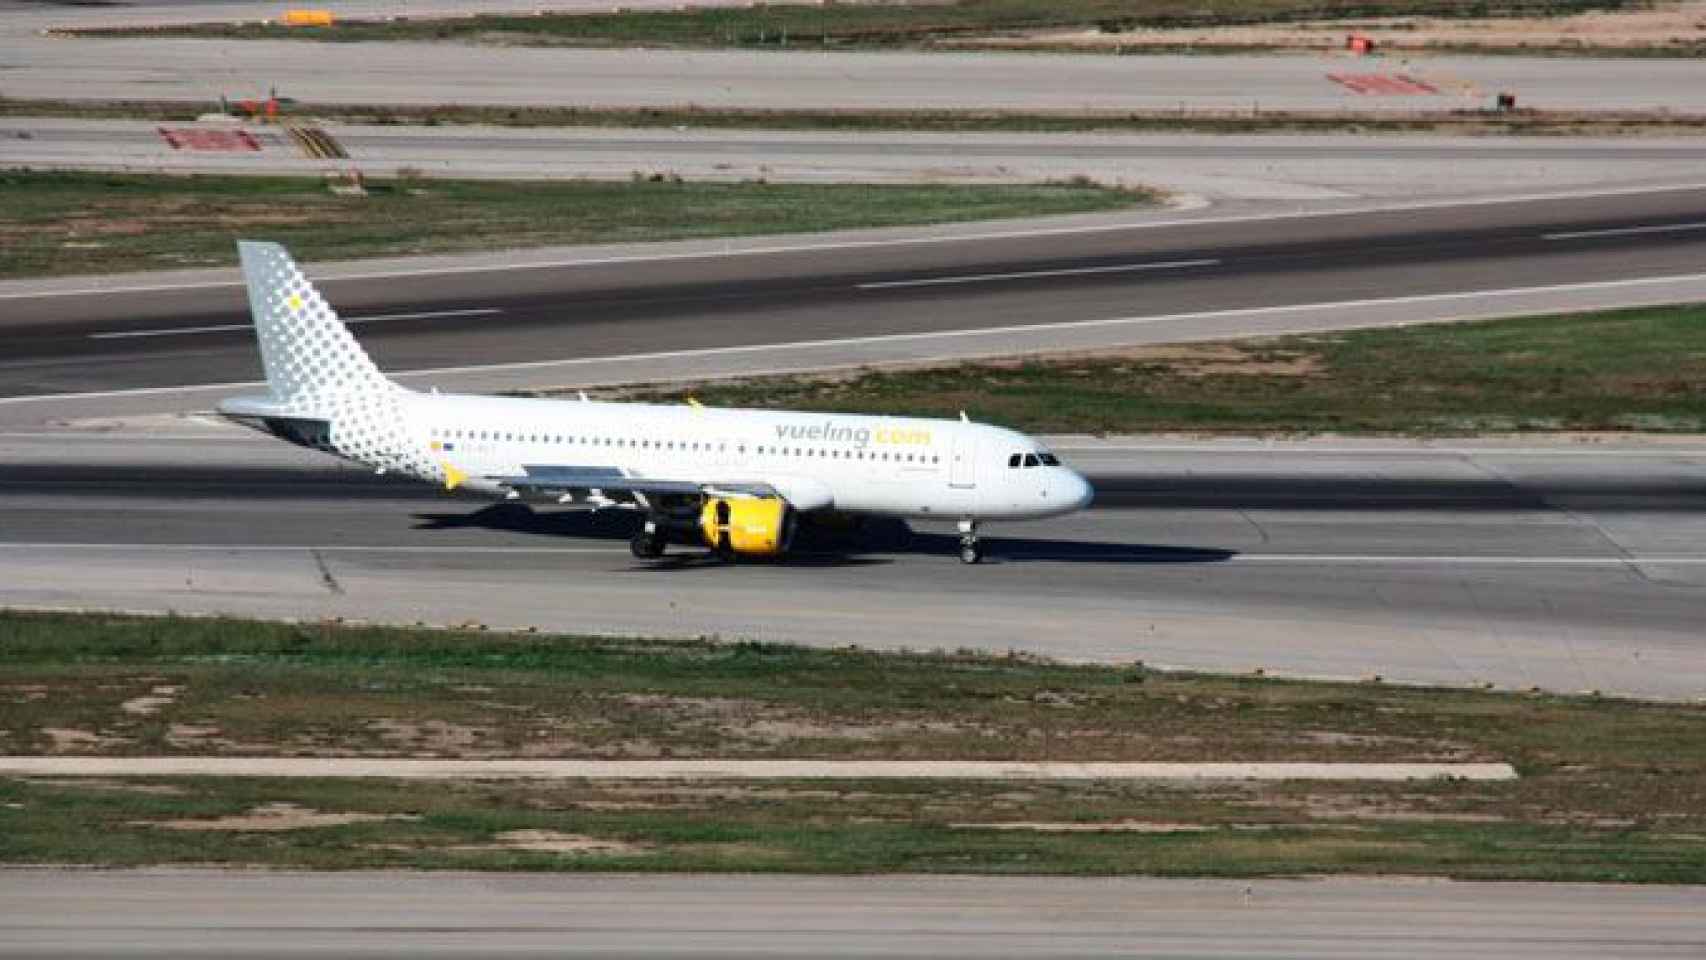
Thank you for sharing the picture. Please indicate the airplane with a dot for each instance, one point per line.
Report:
(736, 480)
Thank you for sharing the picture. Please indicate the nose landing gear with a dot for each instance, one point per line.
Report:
(970, 550)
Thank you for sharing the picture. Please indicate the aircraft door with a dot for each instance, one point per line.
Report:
(962, 465)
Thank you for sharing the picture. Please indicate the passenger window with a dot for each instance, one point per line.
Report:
(1030, 459)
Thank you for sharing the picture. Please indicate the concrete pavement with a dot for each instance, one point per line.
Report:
(279, 914)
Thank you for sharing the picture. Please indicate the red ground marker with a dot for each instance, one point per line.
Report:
(213, 141)
(1382, 84)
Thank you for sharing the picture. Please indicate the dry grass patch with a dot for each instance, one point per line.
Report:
(273, 818)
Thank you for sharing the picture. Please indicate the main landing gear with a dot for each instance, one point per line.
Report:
(970, 550)
(648, 542)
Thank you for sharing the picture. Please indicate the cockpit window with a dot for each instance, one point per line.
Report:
(1013, 461)
(1030, 459)
(1049, 459)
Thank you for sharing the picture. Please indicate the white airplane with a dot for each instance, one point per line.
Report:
(736, 479)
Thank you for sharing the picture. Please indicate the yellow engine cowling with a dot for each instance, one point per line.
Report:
(749, 526)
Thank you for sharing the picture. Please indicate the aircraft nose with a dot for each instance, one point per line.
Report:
(1083, 492)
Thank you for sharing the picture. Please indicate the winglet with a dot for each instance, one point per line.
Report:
(453, 477)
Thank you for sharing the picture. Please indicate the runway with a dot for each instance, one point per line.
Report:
(1565, 566)
(1070, 288)
(277, 914)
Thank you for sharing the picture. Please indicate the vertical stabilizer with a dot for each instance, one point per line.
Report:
(316, 372)
(309, 355)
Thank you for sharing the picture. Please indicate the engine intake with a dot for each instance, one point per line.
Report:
(748, 526)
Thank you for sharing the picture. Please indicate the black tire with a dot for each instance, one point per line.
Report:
(646, 548)
(971, 553)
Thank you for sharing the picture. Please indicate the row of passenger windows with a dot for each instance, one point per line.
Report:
(705, 446)
(1033, 460)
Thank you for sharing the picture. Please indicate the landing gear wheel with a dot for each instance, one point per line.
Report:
(646, 548)
(970, 550)
(648, 542)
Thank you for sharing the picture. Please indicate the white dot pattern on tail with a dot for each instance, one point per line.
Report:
(316, 367)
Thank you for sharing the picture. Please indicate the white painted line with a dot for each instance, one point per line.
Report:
(174, 331)
(1233, 556)
(297, 767)
(348, 322)
(759, 348)
(1624, 231)
(1031, 274)
(235, 281)
(425, 315)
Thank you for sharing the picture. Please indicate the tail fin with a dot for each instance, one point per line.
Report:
(309, 355)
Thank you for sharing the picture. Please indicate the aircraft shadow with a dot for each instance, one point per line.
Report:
(833, 546)
(1045, 550)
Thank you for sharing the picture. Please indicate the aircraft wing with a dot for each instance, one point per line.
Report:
(560, 479)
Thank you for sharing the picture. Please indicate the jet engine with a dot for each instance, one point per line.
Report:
(747, 526)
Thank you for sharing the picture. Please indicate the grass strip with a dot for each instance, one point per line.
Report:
(859, 26)
(1460, 122)
(1611, 789)
(1639, 369)
(65, 223)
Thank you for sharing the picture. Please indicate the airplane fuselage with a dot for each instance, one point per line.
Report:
(901, 466)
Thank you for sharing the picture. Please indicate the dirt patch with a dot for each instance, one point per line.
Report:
(1417, 809)
(273, 818)
(680, 794)
(73, 740)
(116, 786)
(1112, 826)
(1207, 360)
(152, 702)
(1441, 750)
(769, 724)
(190, 734)
(430, 737)
(25, 692)
(552, 841)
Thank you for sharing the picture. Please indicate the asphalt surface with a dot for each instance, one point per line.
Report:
(197, 913)
(1268, 167)
(813, 290)
(1569, 566)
